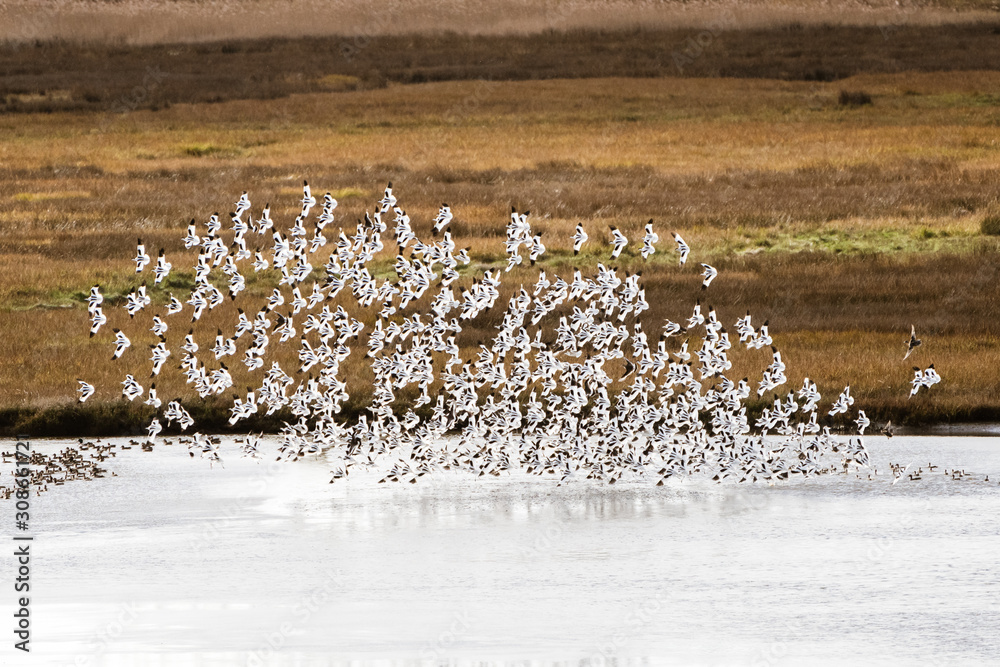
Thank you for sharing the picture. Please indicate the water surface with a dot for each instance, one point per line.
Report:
(174, 562)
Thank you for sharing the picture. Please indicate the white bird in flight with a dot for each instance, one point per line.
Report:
(619, 242)
(121, 343)
(649, 241)
(682, 247)
(308, 201)
(86, 390)
(97, 320)
(161, 269)
(444, 216)
(141, 258)
(95, 299)
(862, 421)
(579, 238)
(709, 274)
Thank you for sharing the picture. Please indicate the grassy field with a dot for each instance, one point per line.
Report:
(842, 224)
(141, 22)
(68, 76)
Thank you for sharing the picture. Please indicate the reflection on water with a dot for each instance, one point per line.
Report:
(173, 562)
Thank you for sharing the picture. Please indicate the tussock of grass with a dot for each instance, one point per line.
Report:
(207, 149)
(856, 98)
(990, 225)
(339, 82)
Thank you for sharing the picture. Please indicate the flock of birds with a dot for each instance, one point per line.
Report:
(67, 465)
(570, 384)
(900, 472)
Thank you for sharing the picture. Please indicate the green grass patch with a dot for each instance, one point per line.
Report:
(208, 150)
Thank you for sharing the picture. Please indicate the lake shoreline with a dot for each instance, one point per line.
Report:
(121, 419)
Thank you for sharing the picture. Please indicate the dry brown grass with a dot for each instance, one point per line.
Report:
(837, 332)
(842, 226)
(168, 21)
(57, 75)
(695, 149)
